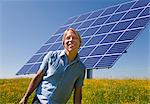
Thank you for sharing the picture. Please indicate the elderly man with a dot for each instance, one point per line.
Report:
(60, 73)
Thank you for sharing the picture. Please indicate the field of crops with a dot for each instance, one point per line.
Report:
(102, 91)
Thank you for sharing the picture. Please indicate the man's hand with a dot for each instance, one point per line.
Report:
(23, 101)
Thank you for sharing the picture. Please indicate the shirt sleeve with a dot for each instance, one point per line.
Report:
(45, 61)
(80, 80)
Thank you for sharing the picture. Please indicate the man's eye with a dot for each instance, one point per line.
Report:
(68, 38)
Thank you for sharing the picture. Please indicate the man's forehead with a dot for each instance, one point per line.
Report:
(70, 32)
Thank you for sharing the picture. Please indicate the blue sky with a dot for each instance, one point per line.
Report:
(26, 25)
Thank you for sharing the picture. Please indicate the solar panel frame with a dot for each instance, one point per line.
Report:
(94, 40)
(71, 20)
(132, 34)
(84, 41)
(90, 31)
(76, 25)
(100, 49)
(86, 24)
(111, 37)
(52, 39)
(105, 28)
(96, 14)
(135, 25)
(132, 14)
(62, 29)
(125, 6)
(141, 3)
(110, 10)
(147, 9)
(113, 17)
(82, 17)
(100, 20)
(109, 65)
(33, 69)
(35, 58)
(136, 22)
(110, 48)
(43, 49)
(24, 69)
(92, 61)
(119, 47)
(86, 51)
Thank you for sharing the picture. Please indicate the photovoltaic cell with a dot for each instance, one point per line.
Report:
(122, 25)
(129, 35)
(112, 37)
(54, 47)
(81, 32)
(34, 69)
(95, 40)
(71, 20)
(59, 39)
(52, 39)
(106, 33)
(90, 62)
(132, 14)
(90, 31)
(84, 40)
(43, 49)
(24, 69)
(100, 21)
(107, 61)
(145, 12)
(86, 51)
(141, 22)
(95, 14)
(105, 28)
(86, 24)
(141, 3)
(75, 26)
(61, 47)
(115, 17)
(118, 47)
(41, 58)
(125, 6)
(82, 59)
(62, 29)
(110, 10)
(101, 49)
(34, 58)
(83, 17)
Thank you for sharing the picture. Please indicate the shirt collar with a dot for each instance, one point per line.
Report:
(62, 54)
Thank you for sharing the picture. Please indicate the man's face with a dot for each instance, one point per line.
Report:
(71, 42)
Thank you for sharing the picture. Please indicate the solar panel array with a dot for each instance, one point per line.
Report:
(106, 34)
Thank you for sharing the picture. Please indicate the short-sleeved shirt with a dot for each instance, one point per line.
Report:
(60, 78)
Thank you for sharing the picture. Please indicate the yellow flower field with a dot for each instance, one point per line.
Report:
(95, 91)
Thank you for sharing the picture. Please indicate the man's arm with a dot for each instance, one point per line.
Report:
(77, 95)
(32, 86)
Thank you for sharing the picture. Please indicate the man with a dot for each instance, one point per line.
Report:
(60, 73)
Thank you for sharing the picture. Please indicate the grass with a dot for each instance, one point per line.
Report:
(102, 91)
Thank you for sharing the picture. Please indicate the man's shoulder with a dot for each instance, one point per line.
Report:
(53, 53)
(82, 65)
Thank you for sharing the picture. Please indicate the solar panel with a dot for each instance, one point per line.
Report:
(106, 34)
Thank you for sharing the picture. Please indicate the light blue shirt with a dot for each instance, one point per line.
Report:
(60, 78)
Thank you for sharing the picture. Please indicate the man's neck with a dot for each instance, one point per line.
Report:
(71, 56)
